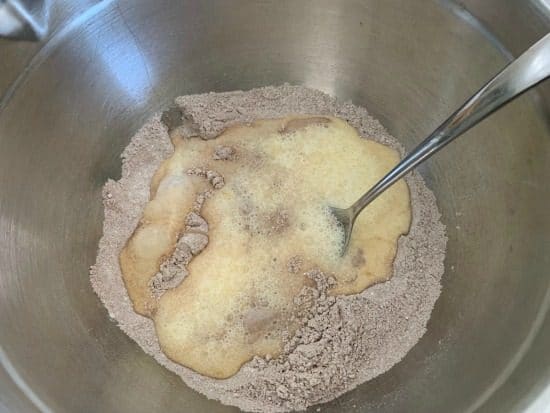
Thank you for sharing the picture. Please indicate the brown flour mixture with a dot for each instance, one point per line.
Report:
(345, 340)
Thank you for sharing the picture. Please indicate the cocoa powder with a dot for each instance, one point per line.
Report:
(344, 340)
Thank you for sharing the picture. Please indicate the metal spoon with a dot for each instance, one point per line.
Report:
(526, 71)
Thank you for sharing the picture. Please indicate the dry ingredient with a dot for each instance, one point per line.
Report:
(345, 340)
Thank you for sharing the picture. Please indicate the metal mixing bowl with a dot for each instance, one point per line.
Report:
(71, 103)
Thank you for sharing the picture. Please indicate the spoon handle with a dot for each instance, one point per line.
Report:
(526, 71)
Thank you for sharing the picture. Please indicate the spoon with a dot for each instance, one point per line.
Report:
(532, 67)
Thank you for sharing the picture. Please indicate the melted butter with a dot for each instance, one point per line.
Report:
(239, 297)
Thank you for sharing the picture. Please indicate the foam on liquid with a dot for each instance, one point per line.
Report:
(239, 299)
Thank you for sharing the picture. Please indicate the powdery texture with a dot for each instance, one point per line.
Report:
(345, 340)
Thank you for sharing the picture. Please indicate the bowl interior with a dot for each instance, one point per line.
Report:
(410, 63)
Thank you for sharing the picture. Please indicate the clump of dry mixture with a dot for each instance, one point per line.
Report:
(344, 340)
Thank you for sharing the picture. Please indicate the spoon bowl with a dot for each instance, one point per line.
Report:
(344, 220)
(532, 67)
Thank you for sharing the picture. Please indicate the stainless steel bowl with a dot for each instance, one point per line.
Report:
(71, 103)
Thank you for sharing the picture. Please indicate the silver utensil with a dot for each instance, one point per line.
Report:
(526, 71)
